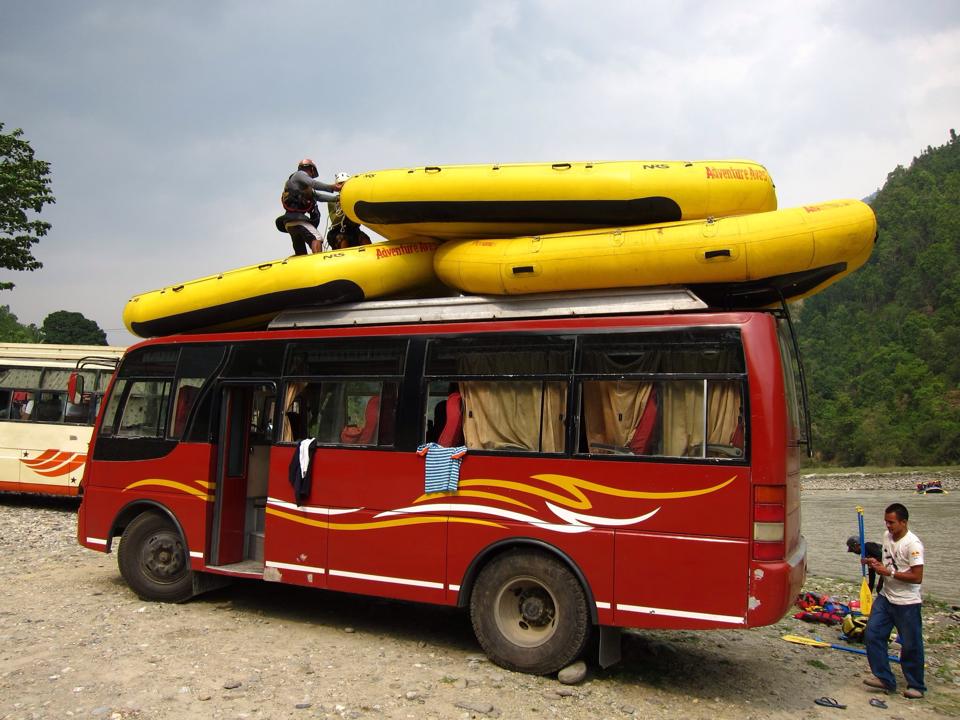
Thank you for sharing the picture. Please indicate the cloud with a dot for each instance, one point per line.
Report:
(172, 126)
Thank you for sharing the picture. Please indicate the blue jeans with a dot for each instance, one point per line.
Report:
(906, 618)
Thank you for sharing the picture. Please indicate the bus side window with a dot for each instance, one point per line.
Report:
(49, 408)
(341, 412)
(668, 395)
(620, 416)
(24, 405)
(144, 412)
(17, 382)
(687, 416)
(343, 391)
(514, 415)
(509, 391)
(187, 391)
(108, 425)
(725, 425)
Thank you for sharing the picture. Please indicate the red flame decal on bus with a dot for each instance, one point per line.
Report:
(55, 463)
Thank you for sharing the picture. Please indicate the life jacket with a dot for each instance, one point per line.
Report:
(296, 199)
(817, 607)
(820, 616)
(854, 626)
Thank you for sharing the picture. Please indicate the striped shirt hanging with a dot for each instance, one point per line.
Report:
(442, 468)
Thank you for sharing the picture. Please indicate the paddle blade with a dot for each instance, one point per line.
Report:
(800, 640)
(866, 598)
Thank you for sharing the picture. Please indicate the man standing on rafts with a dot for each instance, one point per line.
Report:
(301, 193)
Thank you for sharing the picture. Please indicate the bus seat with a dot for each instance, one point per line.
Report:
(49, 410)
(736, 439)
(354, 435)
(642, 441)
(388, 415)
(452, 434)
(371, 421)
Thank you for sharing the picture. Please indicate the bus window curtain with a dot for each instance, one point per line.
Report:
(507, 415)
(514, 415)
(683, 410)
(290, 395)
(723, 412)
(613, 409)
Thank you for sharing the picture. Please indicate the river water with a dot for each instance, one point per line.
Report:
(830, 517)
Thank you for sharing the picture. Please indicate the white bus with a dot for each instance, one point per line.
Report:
(43, 437)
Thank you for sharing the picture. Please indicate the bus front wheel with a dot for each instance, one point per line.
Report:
(154, 560)
(529, 612)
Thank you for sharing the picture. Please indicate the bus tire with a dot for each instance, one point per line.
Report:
(529, 612)
(154, 561)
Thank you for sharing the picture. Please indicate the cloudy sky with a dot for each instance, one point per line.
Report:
(171, 126)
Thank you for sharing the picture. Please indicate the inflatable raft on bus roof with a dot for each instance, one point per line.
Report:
(504, 201)
(713, 229)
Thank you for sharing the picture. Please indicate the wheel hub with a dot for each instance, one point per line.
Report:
(163, 558)
(533, 610)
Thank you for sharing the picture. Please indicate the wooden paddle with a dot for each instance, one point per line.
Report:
(801, 640)
(866, 595)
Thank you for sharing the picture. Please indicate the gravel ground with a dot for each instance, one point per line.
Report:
(76, 643)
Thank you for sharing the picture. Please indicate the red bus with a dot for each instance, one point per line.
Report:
(626, 460)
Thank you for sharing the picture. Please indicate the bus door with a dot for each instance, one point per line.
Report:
(246, 417)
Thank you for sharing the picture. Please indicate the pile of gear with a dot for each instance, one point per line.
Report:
(821, 608)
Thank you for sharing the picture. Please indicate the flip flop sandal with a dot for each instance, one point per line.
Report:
(830, 702)
(878, 703)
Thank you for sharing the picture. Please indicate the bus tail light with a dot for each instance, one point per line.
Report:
(769, 515)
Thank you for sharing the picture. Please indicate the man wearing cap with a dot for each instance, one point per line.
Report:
(300, 195)
(874, 550)
(897, 606)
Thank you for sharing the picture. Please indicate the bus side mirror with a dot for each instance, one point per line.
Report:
(75, 388)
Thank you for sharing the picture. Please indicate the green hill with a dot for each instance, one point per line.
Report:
(882, 347)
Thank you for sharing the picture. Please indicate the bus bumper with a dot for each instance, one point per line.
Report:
(775, 585)
(83, 536)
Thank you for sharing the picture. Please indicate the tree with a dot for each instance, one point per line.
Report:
(71, 328)
(24, 186)
(880, 348)
(11, 331)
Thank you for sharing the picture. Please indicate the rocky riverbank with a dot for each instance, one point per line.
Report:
(879, 481)
(76, 643)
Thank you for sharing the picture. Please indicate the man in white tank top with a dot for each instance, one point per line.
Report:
(897, 606)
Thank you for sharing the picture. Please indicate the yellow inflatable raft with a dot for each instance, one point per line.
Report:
(750, 257)
(502, 201)
(250, 297)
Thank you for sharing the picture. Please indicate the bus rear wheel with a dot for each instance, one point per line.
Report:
(154, 561)
(529, 613)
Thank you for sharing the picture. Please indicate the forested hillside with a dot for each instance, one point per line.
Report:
(882, 347)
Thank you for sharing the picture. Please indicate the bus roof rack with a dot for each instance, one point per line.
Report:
(493, 307)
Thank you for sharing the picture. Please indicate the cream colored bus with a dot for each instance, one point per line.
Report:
(43, 436)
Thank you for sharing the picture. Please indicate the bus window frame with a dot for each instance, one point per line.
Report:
(574, 380)
(552, 341)
(281, 408)
(94, 398)
(407, 346)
